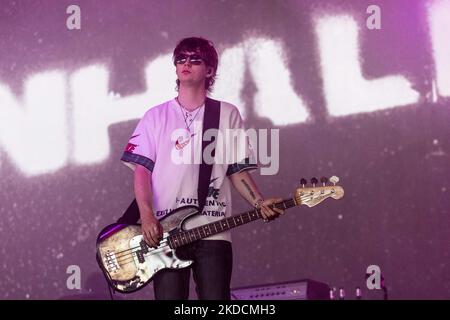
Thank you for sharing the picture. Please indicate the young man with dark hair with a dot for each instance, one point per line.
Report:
(162, 184)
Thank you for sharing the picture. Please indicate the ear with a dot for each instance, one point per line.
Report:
(210, 72)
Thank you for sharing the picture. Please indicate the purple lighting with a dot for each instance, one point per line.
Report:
(368, 105)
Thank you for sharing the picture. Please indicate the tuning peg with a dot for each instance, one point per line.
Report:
(324, 180)
(314, 181)
(303, 182)
(334, 180)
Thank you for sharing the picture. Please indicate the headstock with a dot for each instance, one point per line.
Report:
(312, 196)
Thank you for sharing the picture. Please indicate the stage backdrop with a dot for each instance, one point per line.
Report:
(356, 89)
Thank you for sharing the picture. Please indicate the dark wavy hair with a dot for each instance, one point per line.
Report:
(206, 50)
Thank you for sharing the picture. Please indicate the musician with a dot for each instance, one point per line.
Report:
(163, 138)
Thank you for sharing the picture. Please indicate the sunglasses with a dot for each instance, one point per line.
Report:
(194, 59)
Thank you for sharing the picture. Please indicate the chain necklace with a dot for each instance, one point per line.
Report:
(188, 115)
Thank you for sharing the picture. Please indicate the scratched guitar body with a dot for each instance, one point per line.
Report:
(128, 262)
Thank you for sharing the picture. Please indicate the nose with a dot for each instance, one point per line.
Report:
(188, 61)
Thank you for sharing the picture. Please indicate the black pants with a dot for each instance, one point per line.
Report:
(212, 267)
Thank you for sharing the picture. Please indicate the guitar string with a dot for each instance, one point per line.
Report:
(138, 247)
(129, 257)
(123, 259)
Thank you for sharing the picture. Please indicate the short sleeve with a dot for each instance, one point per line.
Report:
(141, 148)
(242, 148)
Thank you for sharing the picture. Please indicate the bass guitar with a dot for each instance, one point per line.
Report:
(129, 263)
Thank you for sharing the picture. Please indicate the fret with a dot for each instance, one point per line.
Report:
(198, 235)
(200, 230)
(183, 238)
(192, 235)
(175, 241)
(189, 236)
(206, 231)
(169, 239)
(178, 240)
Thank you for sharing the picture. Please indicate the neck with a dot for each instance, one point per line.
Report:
(187, 236)
(191, 97)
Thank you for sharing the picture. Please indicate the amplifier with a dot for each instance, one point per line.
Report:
(292, 290)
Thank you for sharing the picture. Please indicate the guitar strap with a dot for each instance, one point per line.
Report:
(211, 119)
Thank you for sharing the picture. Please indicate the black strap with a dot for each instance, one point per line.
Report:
(131, 215)
(211, 119)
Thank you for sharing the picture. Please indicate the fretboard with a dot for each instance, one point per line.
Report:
(185, 237)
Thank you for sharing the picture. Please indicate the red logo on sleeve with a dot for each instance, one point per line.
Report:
(130, 147)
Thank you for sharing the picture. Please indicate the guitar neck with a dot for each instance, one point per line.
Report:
(185, 237)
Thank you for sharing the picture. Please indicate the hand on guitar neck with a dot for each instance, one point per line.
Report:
(268, 211)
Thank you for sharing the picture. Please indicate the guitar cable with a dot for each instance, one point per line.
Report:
(110, 292)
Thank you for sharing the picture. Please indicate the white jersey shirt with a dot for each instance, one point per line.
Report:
(168, 142)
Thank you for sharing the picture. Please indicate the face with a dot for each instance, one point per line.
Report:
(191, 69)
